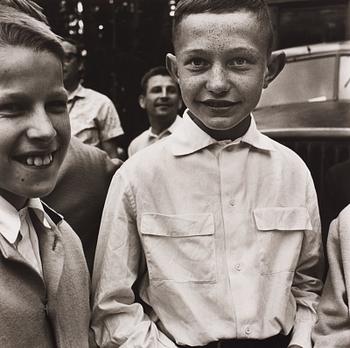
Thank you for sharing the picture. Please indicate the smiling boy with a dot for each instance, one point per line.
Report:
(211, 238)
(44, 287)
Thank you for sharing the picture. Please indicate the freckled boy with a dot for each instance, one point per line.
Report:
(215, 230)
(44, 286)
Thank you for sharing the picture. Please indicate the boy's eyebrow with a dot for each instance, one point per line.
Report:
(247, 50)
(22, 95)
(12, 95)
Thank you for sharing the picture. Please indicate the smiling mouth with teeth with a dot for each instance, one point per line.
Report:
(36, 160)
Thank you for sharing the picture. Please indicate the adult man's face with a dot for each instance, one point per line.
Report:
(71, 66)
(162, 99)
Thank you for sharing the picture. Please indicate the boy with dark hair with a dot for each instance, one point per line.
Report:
(44, 278)
(161, 99)
(211, 238)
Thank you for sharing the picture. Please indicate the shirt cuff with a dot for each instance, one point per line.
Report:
(301, 335)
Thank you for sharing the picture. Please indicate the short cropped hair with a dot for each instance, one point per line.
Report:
(158, 70)
(185, 8)
(28, 7)
(23, 28)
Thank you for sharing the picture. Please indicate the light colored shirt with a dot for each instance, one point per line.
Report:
(220, 239)
(332, 329)
(93, 116)
(17, 229)
(148, 138)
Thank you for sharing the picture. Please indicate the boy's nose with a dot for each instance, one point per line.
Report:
(164, 93)
(41, 127)
(217, 82)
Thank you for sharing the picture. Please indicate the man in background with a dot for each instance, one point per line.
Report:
(93, 116)
(161, 99)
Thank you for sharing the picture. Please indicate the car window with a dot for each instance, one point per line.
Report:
(302, 81)
(344, 77)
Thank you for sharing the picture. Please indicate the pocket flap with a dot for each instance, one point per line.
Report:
(282, 218)
(177, 225)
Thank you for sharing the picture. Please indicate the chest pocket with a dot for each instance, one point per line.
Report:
(179, 248)
(280, 232)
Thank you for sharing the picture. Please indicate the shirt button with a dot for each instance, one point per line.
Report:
(232, 202)
(238, 267)
(248, 330)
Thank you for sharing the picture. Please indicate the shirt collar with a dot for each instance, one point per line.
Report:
(170, 129)
(10, 221)
(37, 206)
(189, 138)
(175, 124)
(77, 93)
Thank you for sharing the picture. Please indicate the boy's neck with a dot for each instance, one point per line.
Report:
(226, 134)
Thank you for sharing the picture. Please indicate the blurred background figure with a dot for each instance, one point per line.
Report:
(93, 116)
(160, 98)
(81, 190)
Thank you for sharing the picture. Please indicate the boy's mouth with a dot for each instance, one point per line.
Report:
(36, 160)
(214, 103)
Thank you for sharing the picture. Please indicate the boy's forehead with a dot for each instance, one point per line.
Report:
(11, 55)
(218, 28)
(17, 65)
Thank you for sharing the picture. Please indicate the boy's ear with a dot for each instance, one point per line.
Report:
(274, 67)
(171, 65)
(142, 101)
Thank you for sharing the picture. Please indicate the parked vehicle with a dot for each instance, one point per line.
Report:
(307, 107)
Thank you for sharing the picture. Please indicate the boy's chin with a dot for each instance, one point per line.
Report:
(222, 125)
(18, 196)
(40, 190)
(43, 190)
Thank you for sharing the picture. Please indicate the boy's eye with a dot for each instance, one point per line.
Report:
(57, 106)
(10, 109)
(238, 62)
(197, 63)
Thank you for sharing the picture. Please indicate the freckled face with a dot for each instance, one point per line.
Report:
(220, 63)
(34, 123)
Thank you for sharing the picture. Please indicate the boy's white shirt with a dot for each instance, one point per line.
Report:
(128, 207)
(13, 222)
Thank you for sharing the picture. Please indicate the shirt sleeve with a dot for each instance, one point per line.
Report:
(108, 121)
(118, 320)
(333, 326)
(307, 283)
